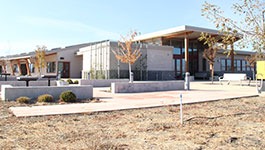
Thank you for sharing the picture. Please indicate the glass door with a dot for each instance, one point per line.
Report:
(64, 69)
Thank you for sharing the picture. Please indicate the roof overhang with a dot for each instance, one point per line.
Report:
(18, 58)
(178, 32)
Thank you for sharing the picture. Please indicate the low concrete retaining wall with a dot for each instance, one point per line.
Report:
(31, 83)
(9, 78)
(13, 92)
(148, 86)
(101, 82)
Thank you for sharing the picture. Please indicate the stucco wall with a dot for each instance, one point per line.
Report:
(69, 55)
(159, 58)
(13, 92)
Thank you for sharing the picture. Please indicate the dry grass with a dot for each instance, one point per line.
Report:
(230, 124)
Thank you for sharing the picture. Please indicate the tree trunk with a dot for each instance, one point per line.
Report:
(212, 71)
(232, 58)
(130, 70)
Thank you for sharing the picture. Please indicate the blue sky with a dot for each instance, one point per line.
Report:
(58, 23)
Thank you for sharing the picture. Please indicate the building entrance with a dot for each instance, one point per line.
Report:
(179, 58)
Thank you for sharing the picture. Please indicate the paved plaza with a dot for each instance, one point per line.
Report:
(200, 92)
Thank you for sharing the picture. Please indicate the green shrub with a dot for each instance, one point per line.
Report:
(23, 99)
(69, 81)
(45, 98)
(68, 96)
(76, 82)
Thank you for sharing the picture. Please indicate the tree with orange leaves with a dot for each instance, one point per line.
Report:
(127, 52)
(40, 53)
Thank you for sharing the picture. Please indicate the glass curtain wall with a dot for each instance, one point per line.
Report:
(179, 57)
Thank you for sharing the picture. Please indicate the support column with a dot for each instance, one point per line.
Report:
(186, 41)
(27, 66)
(19, 67)
(11, 68)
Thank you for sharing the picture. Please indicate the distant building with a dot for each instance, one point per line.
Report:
(58, 60)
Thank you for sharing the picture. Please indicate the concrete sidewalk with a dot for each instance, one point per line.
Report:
(200, 92)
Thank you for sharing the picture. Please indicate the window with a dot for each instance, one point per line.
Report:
(15, 68)
(204, 64)
(228, 65)
(235, 65)
(50, 67)
(31, 68)
(223, 64)
(244, 65)
(238, 65)
(248, 67)
(183, 65)
(177, 51)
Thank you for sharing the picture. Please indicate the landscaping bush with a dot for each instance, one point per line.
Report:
(76, 82)
(45, 98)
(23, 99)
(69, 81)
(68, 96)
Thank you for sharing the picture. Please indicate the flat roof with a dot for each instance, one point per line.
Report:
(177, 32)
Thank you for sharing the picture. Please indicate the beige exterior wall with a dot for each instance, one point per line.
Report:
(99, 57)
(159, 58)
(62, 55)
(69, 55)
(96, 56)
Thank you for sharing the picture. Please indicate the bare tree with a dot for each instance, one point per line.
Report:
(40, 62)
(210, 52)
(126, 52)
(250, 21)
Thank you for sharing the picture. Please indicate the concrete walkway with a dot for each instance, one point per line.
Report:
(200, 92)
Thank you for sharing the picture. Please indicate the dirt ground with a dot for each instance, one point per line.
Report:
(227, 124)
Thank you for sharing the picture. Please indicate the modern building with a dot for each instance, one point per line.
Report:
(166, 55)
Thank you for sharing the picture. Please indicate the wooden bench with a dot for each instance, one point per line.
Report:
(234, 77)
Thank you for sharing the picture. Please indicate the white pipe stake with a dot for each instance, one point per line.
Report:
(180, 107)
